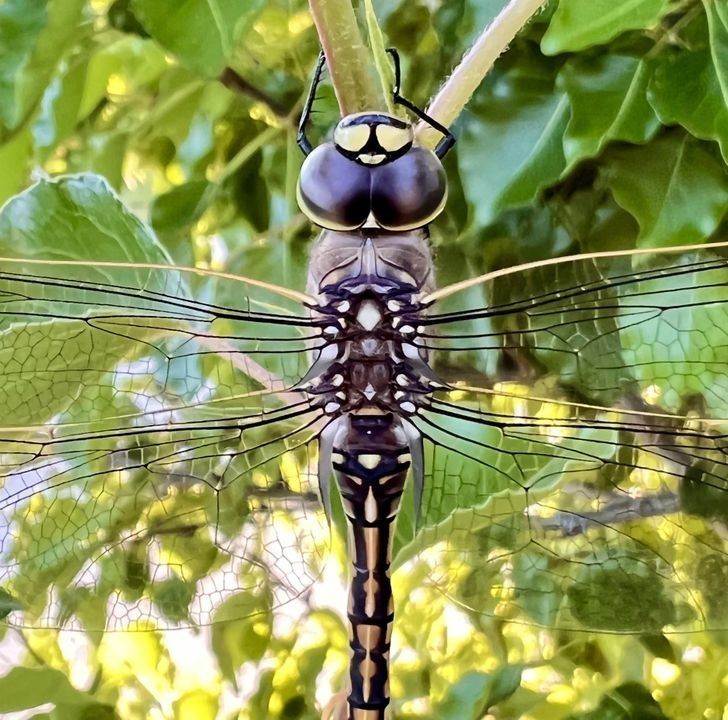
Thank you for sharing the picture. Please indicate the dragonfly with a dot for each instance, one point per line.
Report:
(552, 437)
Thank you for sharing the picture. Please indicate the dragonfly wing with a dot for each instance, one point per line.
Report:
(584, 485)
(155, 457)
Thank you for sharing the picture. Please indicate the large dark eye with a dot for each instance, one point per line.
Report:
(333, 192)
(409, 192)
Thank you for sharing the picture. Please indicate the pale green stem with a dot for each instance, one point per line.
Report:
(349, 61)
(460, 86)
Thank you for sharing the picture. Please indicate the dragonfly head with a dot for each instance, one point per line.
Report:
(373, 138)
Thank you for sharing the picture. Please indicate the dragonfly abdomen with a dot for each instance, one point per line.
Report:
(371, 465)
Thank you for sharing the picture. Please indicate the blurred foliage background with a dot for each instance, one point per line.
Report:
(604, 126)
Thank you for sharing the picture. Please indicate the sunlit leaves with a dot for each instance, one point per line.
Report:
(515, 148)
(577, 25)
(608, 102)
(209, 46)
(75, 218)
(690, 84)
(676, 189)
(25, 688)
(33, 36)
(476, 692)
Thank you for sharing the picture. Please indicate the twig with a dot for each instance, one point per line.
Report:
(234, 81)
(460, 86)
(616, 510)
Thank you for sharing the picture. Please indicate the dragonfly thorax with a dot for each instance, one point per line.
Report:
(372, 362)
(372, 174)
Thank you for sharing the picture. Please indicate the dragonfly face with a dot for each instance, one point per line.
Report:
(373, 175)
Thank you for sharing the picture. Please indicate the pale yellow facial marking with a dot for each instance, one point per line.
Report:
(352, 138)
(369, 461)
(392, 138)
(371, 158)
(370, 507)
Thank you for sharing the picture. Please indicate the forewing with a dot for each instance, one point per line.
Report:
(579, 462)
(155, 455)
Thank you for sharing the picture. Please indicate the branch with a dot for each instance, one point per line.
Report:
(350, 64)
(460, 86)
(234, 81)
(616, 509)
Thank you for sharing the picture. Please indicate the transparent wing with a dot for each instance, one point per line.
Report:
(577, 466)
(155, 457)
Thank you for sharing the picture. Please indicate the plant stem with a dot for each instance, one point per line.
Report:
(350, 64)
(460, 86)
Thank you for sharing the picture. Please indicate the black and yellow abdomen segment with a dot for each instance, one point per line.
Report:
(371, 485)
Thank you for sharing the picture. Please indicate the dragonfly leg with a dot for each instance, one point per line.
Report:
(448, 139)
(303, 142)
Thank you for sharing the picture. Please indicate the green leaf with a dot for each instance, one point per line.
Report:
(72, 218)
(608, 97)
(15, 158)
(515, 148)
(241, 631)
(34, 35)
(24, 688)
(199, 32)
(132, 60)
(675, 189)
(76, 217)
(690, 86)
(179, 207)
(474, 693)
(621, 595)
(630, 701)
(579, 24)
(8, 604)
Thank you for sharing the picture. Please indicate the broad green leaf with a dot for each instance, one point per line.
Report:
(33, 36)
(200, 32)
(15, 158)
(129, 61)
(676, 190)
(24, 688)
(579, 24)
(513, 148)
(8, 604)
(475, 692)
(75, 217)
(72, 218)
(59, 107)
(608, 102)
(179, 207)
(617, 595)
(630, 701)
(690, 85)
(241, 631)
